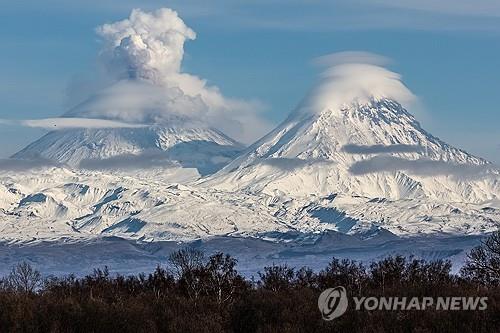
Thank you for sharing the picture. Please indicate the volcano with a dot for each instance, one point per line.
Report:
(374, 149)
(203, 149)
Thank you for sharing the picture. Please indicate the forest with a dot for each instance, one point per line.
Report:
(196, 292)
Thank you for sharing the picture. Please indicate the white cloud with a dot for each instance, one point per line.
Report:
(67, 123)
(140, 101)
(346, 57)
(146, 45)
(144, 54)
(55, 124)
(356, 79)
(143, 83)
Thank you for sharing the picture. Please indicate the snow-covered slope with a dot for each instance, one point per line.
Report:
(305, 177)
(57, 203)
(357, 165)
(373, 149)
(200, 148)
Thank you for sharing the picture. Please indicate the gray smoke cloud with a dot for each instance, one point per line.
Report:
(381, 149)
(423, 167)
(146, 46)
(146, 160)
(12, 164)
(144, 55)
(144, 84)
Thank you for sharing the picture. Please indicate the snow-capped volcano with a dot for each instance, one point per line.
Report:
(204, 149)
(375, 149)
(352, 135)
(166, 116)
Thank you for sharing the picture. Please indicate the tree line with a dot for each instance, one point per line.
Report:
(199, 293)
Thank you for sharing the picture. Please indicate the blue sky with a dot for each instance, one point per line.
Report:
(448, 53)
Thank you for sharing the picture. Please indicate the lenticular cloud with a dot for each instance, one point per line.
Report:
(356, 77)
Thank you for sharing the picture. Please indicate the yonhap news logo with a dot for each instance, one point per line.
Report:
(333, 303)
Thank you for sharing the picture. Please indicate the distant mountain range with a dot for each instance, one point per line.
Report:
(359, 168)
(366, 170)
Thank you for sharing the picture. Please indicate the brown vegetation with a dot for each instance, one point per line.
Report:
(199, 294)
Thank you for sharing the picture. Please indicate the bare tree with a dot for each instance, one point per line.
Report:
(188, 265)
(223, 278)
(186, 260)
(24, 278)
(483, 262)
(277, 277)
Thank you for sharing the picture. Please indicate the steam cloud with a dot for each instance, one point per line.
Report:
(144, 56)
(149, 46)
